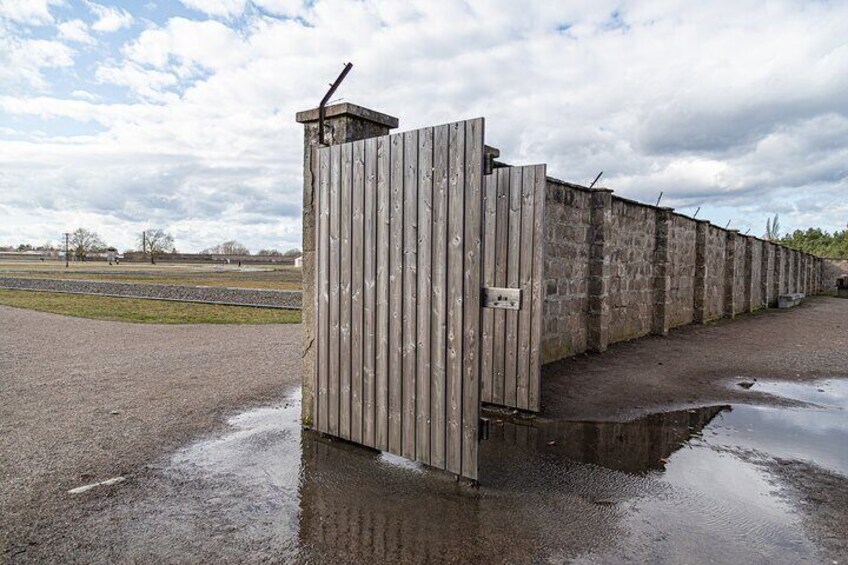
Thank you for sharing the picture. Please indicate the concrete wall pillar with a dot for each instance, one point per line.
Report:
(700, 284)
(600, 222)
(775, 273)
(764, 274)
(342, 123)
(730, 274)
(807, 289)
(660, 319)
(796, 271)
(748, 276)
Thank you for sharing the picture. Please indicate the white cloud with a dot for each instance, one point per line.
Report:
(22, 61)
(30, 12)
(109, 18)
(85, 95)
(222, 8)
(75, 30)
(730, 106)
(281, 7)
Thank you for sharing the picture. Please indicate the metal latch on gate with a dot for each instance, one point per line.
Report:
(485, 428)
(504, 298)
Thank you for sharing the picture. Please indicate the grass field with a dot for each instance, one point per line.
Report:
(144, 311)
(270, 277)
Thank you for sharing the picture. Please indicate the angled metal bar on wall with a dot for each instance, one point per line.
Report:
(398, 255)
(513, 258)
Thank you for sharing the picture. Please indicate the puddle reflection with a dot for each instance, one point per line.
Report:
(637, 446)
(660, 488)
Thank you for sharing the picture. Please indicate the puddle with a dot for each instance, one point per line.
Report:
(686, 486)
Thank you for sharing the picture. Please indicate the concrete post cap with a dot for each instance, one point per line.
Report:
(347, 109)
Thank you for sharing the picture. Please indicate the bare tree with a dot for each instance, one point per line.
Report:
(269, 252)
(231, 247)
(773, 228)
(294, 253)
(156, 242)
(83, 242)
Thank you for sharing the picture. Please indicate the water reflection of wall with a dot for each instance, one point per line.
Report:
(356, 508)
(637, 446)
(360, 506)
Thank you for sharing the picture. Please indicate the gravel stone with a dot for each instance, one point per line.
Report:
(285, 299)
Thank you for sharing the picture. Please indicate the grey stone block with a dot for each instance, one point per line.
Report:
(790, 300)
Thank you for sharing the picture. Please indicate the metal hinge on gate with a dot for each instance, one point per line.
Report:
(504, 298)
(485, 428)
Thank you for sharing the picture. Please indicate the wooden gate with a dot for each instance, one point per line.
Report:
(398, 269)
(513, 258)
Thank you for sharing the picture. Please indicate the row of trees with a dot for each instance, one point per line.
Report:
(818, 242)
(812, 240)
(154, 242)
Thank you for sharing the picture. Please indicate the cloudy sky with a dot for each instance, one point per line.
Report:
(180, 115)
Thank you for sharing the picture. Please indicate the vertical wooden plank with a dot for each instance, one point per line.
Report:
(323, 289)
(501, 256)
(395, 293)
(425, 284)
(490, 202)
(512, 281)
(369, 284)
(471, 296)
(525, 276)
(334, 256)
(381, 397)
(538, 296)
(438, 302)
(456, 213)
(356, 278)
(410, 291)
(344, 290)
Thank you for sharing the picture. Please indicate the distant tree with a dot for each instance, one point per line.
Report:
(25, 247)
(818, 242)
(773, 228)
(269, 252)
(231, 247)
(83, 242)
(293, 253)
(156, 242)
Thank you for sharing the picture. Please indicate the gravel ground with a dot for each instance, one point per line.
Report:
(83, 401)
(692, 366)
(208, 294)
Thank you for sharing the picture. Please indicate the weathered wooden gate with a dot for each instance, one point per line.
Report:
(398, 279)
(513, 258)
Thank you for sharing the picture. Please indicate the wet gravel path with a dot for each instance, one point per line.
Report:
(82, 401)
(287, 299)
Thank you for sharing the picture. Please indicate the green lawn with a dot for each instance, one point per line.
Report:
(144, 311)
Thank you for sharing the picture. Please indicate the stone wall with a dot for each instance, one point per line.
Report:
(631, 247)
(756, 261)
(567, 217)
(716, 247)
(681, 270)
(832, 270)
(740, 281)
(616, 269)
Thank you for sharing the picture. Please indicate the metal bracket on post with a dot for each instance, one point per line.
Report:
(326, 98)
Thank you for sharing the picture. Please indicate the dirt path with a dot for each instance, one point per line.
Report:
(692, 366)
(84, 401)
